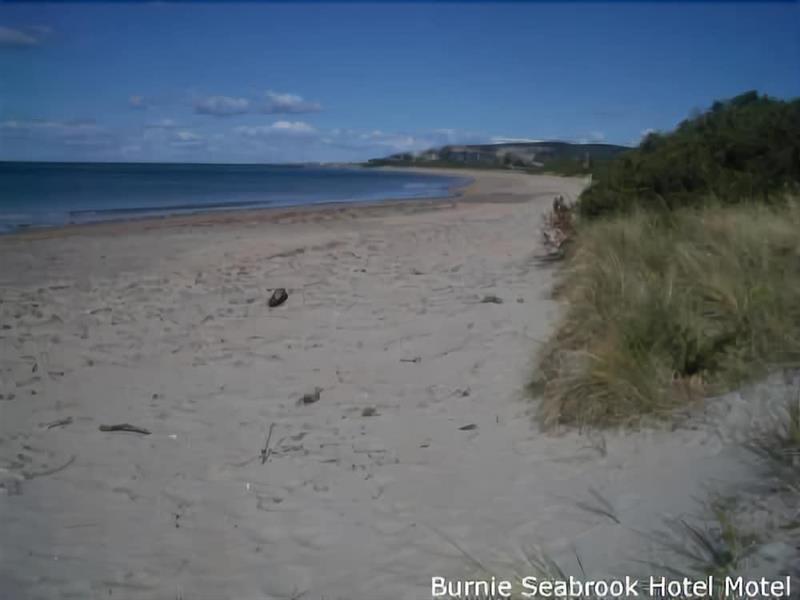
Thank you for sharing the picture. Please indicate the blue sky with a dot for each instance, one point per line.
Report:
(325, 82)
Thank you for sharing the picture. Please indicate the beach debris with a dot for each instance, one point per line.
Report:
(312, 397)
(59, 423)
(469, 427)
(463, 392)
(492, 299)
(125, 427)
(520, 300)
(369, 411)
(52, 471)
(279, 296)
(558, 227)
(266, 450)
(416, 359)
(10, 483)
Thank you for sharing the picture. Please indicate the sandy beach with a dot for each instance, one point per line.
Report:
(421, 438)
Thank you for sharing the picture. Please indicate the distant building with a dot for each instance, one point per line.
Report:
(469, 154)
(429, 155)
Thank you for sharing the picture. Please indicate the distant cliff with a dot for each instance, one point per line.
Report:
(562, 156)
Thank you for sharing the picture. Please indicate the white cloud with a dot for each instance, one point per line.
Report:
(30, 36)
(186, 139)
(377, 143)
(396, 141)
(222, 106)
(138, 102)
(497, 139)
(597, 136)
(57, 134)
(162, 124)
(593, 137)
(278, 129)
(164, 134)
(26, 126)
(129, 150)
(63, 128)
(278, 103)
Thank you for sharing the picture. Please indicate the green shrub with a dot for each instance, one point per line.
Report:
(743, 149)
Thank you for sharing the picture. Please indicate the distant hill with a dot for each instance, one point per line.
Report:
(560, 156)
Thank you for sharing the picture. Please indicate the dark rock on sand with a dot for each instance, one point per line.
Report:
(312, 397)
(279, 296)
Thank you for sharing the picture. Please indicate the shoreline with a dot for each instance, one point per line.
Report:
(233, 215)
(483, 186)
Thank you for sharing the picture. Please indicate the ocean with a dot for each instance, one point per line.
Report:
(52, 194)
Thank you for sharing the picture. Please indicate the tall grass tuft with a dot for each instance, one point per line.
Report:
(780, 446)
(663, 308)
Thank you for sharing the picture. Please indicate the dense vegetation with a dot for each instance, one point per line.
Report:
(568, 167)
(691, 282)
(743, 149)
(536, 157)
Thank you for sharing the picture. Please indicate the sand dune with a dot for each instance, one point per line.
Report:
(421, 435)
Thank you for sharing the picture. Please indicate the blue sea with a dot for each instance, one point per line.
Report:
(53, 194)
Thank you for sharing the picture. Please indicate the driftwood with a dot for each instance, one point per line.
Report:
(558, 228)
(59, 423)
(125, 427)
(266, 450)
(52, 471)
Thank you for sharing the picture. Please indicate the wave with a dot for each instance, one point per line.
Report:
(134, 210)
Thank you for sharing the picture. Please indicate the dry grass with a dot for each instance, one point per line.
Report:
(779, 447)
(661, 310)
(558, 228)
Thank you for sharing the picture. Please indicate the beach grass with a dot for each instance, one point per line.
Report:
(662, 309)
(779, 446)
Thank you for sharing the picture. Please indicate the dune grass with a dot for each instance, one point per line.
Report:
(780, 447)
(662, 308)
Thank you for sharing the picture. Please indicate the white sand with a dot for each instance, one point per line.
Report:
(165, 325)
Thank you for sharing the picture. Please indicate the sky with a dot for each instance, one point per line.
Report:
(256, 82)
